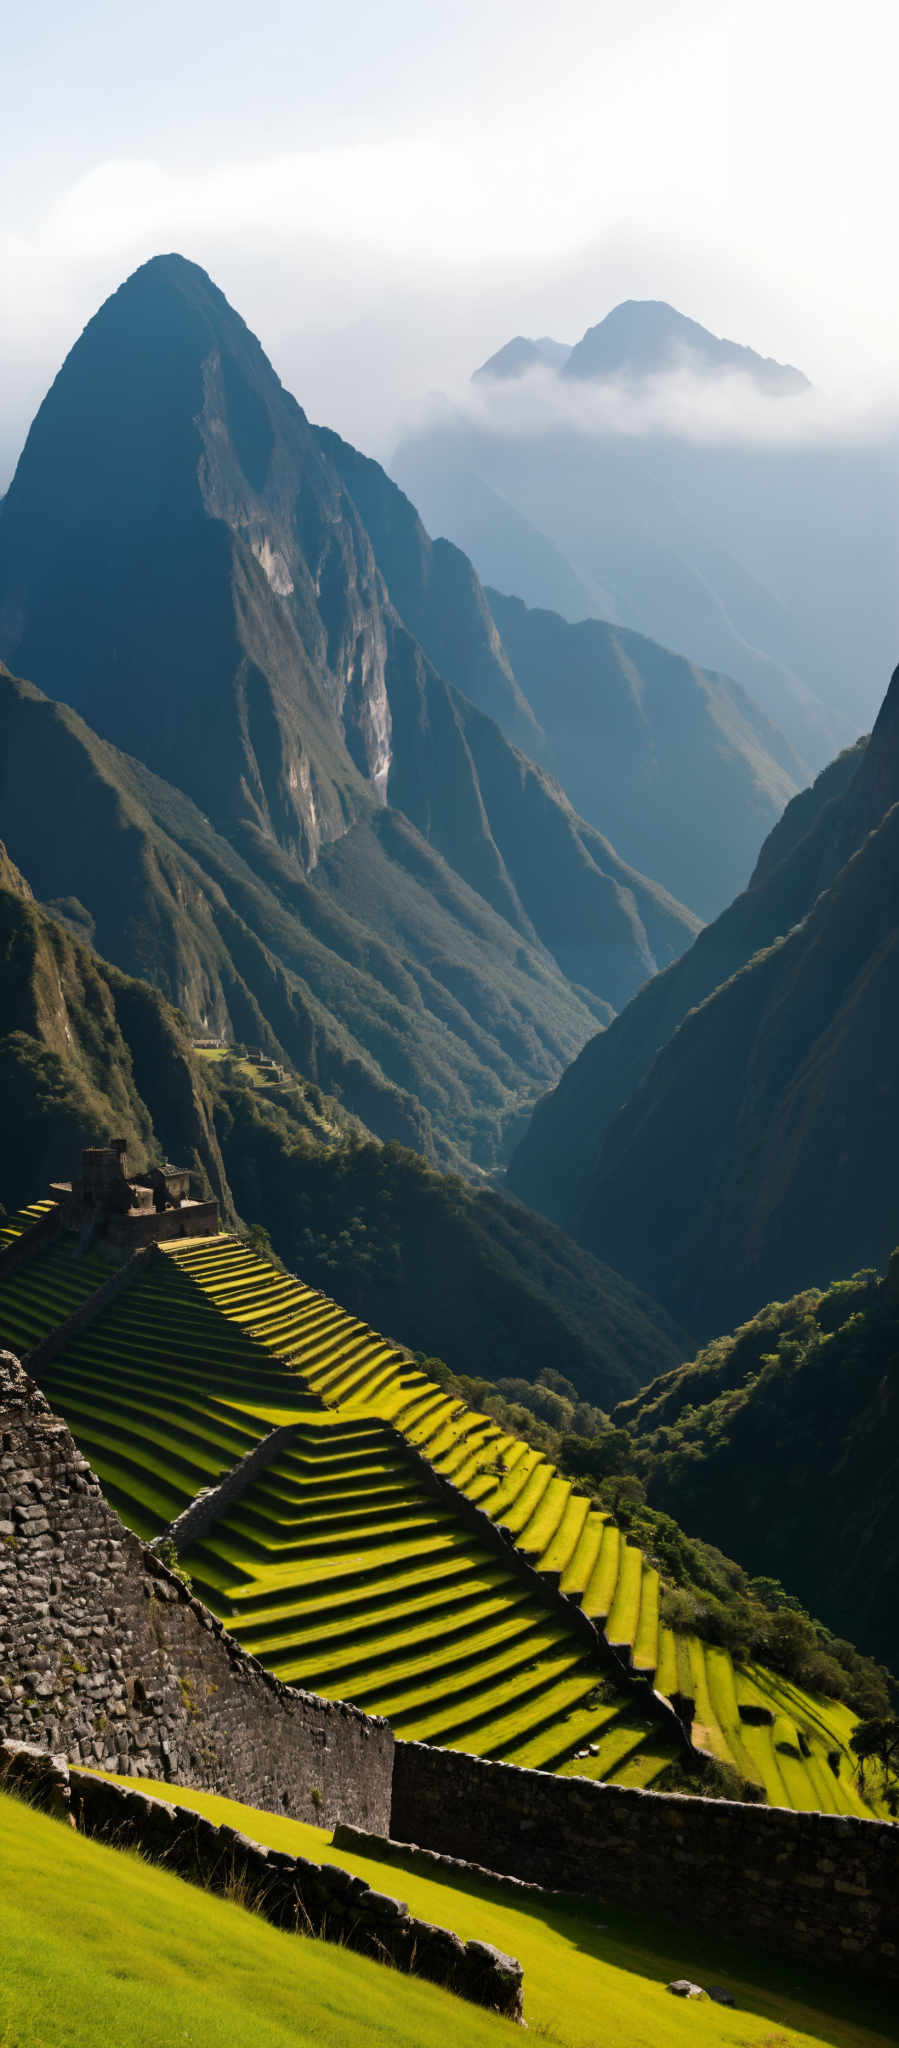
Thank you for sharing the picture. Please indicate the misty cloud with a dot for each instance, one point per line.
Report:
(683, 402)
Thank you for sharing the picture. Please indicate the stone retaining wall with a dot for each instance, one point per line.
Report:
(56, 1340)
(302, 1897)
(105, 1655)
(411, 1856)
(207, 1507)
(813, 1885)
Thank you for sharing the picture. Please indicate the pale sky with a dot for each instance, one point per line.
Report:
(388, 192)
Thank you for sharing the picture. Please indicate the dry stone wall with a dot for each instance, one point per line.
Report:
(57, 1339)
(296, 1895)
(106, 1657)
(208, 1507)
(812, 1885)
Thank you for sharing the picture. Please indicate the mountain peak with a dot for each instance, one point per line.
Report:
(643, 337)
(523, 354)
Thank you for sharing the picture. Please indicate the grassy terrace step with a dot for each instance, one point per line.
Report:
(560, 1550)
(327, 1499)
(463, 1680)
(474, 1722)
(551, 1747)
(188, 1419)
(224, 1564)
(255, 1551)
(646, 1640)
(517, 1516)
(599, 1591)
(168, 1482)
(624, 1613)
(339, 1568)
(46, 1290)
(560, 1684)
(395, 1632)
(190, 1452)
(418, 1588)
(11, 1227)
(543, 1525)
(584, 1558)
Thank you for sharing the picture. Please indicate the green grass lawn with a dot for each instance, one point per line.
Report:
(596, 1978)
(100, 1950)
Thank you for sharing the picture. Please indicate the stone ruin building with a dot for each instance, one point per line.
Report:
(128, 1210)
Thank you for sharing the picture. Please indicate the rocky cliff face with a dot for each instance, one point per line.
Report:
(732, 1137)
(180, 564)
(343, 849)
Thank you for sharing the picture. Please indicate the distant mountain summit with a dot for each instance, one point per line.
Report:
(523, 354)
(642, 338)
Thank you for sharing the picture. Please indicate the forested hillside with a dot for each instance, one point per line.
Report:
(85, 1050)
(781, 1444)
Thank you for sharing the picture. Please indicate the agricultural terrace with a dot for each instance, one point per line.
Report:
(12, 1227)
(339, 1570)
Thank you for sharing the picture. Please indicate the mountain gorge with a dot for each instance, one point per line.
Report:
(208, 581)
(732, 1136)
(685, 771)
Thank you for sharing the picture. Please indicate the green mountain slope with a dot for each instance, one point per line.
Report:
(767, 1126)
(781, 1444)
(86, 1051)
(203, 589)
(564, 1140)
(679, 766)
(381, 973)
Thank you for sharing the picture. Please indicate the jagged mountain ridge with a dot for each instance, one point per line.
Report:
(418, 1002)
(690, 770)
(206, 594)
(742, 1113)
(684, 769)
